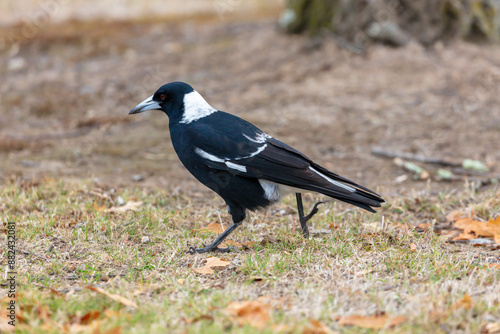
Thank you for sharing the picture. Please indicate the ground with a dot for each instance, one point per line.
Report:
(71, 157)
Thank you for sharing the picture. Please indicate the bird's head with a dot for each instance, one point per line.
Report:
(178, 100)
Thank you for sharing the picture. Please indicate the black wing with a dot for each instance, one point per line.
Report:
(245, 150)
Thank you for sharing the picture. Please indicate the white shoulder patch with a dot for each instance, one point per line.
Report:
(339, 184)
(195, 107)
(207, 155)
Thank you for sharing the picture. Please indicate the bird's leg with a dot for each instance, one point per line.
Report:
(217, 242)
(303, 219)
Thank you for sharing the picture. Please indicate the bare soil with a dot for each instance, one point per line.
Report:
(65, 95)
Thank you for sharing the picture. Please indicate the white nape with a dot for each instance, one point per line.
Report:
(195, 107)
(338, 184)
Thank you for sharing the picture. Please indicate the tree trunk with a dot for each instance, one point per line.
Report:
(395, 21)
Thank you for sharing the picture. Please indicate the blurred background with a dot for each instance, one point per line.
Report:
(393, 94)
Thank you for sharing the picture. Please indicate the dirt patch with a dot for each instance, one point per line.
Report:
(332, 105)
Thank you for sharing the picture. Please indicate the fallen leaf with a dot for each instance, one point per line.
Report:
(465, 302)
(280, 328)
(230, 243)
(401, 226)
(115, 297)
(89, 317)
(464, 236)
(211, 263)
(491, 327)
(316, 327)
(116, 330)
(496, 237)
(129, 206)
(98, 207)
(494, 265)
(213, 227)
(413, 247)
(424, 227)
(255, 313)
(373, 322)
(484, 229)
(180, 281)
(55, 292)
(458, 214)
(248, 244)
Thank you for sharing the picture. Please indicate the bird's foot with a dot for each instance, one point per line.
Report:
(210, 248)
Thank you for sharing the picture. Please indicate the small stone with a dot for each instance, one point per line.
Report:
(16, 64)
(145, 239)
(137, 178)
(120, 200)
(105, 278)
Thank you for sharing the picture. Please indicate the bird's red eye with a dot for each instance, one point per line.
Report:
(163, 97)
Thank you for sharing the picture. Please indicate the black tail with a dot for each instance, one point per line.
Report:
(361, 197)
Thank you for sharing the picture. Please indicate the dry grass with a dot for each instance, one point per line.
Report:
(352, 265)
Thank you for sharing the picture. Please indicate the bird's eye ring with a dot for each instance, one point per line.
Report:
(163, 97)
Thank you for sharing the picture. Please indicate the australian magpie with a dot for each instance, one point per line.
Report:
(248, 168)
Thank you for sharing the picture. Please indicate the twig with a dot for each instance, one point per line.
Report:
(415, 157)
(41, 257)
(343, 43)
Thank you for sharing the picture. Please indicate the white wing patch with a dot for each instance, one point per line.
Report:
(260, 138)
(236, 167)
(260, 149)
(195, 107)
(207, 155)
(339, 184)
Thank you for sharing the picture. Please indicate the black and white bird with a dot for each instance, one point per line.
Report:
(248, 168)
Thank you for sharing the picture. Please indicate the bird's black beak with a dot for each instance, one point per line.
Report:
(147, 104)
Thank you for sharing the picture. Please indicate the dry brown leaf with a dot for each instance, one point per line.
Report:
(401, 226)
(494, 265)
(464, 236)
(458, 214)
(116, 330)
(230, 243)
(373, 322)
(413, 247)
(181, 281)
(316, 327)
(98, 208)
(213, 227)
(212, 262)
(465, 302)
(424, 226)
(129, 206)
(90, 316)
(484, 229)
(115, 297)
(496, 237)
(255, 313)
(491, 327)
(111, 313)
(280, 328)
